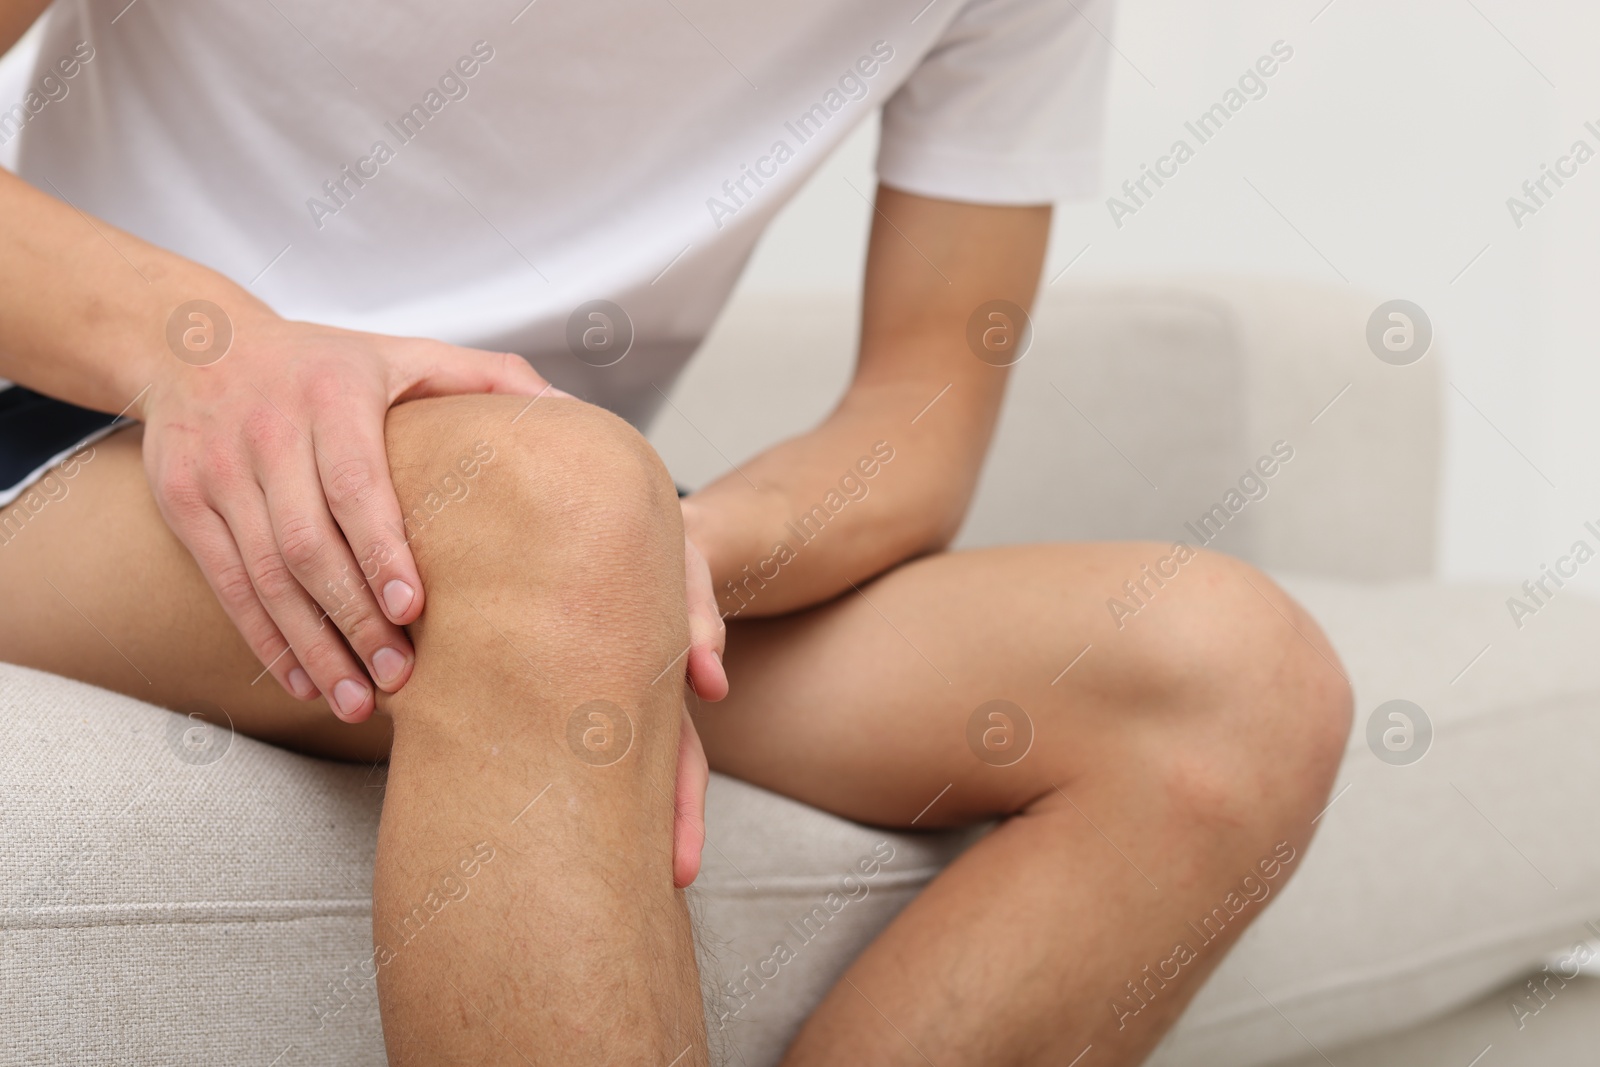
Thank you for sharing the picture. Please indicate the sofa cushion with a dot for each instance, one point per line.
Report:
(172, 893)
(1429, 883)
(1562, 1032)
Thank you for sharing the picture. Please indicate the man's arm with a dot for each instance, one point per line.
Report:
(288, 535)
(15, 18)
(930, 265)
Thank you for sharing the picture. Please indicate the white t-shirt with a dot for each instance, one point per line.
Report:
(478, 173)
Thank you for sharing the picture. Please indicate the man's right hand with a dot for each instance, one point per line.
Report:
(269, 465)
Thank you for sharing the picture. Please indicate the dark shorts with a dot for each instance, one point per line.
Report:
(37, 432)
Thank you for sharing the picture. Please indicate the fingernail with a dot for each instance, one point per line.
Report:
(387, 664)
(397, 597)
(300, 684)
(348, 696)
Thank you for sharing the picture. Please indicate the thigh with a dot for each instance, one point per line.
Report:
(877, 705)
(97, 588)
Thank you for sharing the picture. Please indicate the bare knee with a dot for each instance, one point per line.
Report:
(550, 546)
(1246, 706)
(558, 469)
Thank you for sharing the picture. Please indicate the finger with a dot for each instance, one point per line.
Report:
(689, 806)
(706, 674)
(319, 558)
(207, 538)
(334, 670)
(707, 631)
(439, 369)
(353, 466)
(355, 470)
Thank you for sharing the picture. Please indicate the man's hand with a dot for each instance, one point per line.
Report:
(689, 805)
(707, 638)
(269, 465)
(707, 632)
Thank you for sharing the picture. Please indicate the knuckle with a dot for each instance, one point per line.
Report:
(514, 368)
(360, 625)
(325, 658)
(269, 646)
(301, 542)
(349, 605)
(265, 429)
(379, 555)
(273, 579)
(351, 484)
(181, 495)
(327, 389)
(217, 467)
(233, 584)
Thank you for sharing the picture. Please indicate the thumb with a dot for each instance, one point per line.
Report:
(689, 806)
(707, 632)
(447, 370)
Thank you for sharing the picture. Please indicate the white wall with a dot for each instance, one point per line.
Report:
(1390, 140)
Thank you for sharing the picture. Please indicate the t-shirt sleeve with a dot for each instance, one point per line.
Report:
(1006, 108)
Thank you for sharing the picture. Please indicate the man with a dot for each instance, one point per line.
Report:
(303, 250)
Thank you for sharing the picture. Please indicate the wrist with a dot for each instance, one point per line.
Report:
(734, 528)
(190, 327)
(707, 527)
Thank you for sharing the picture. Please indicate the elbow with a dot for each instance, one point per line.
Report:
(941, 520)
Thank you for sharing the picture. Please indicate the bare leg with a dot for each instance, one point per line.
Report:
(524, 908)
(1195, 739)
(1175, 765)
(98, 589)
(542, 679)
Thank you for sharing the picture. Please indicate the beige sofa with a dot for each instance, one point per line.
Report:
(172, 898)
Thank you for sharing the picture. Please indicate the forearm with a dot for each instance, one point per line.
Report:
(866, 490)
(804, 521)
(84, 306)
